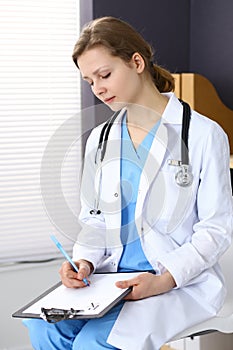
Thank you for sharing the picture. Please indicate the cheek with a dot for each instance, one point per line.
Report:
(128, 85)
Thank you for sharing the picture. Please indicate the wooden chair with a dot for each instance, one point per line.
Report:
(199, 92)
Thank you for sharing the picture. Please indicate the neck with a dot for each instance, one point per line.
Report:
(149, 108)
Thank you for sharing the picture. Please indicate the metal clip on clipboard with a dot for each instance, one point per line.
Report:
(54, 315)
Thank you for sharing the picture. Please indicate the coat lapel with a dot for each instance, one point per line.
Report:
(110, 185)
(152, 165)
(171, 115)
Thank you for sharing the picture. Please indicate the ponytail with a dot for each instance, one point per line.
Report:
(162, 78)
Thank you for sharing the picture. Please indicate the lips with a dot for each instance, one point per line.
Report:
(109, 100)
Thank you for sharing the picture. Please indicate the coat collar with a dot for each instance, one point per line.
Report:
(173, 112)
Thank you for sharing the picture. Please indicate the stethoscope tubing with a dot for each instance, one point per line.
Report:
(185, 133)
(183, 177)
(103, 139)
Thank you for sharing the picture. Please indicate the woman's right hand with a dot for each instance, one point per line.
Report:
(73, 279)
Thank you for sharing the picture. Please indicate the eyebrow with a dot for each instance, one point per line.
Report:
(97, 71)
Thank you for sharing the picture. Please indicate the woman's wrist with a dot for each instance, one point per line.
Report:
(163, 283)
(168, 281)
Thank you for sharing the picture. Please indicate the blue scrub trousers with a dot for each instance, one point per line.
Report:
(82, 334)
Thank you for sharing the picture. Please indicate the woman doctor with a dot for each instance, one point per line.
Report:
(135, 217)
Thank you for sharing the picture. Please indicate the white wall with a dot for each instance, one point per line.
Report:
(19, 285)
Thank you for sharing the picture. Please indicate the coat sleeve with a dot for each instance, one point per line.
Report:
(212, 232)
(90, 244)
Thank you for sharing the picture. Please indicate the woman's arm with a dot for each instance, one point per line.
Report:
(212, 232)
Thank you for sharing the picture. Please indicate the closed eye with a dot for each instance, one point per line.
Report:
(106, 76)
(91, 83)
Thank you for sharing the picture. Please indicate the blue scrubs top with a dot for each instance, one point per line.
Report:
(132, 163)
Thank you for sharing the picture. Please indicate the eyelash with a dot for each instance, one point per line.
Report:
(106, 76)
(103, 77)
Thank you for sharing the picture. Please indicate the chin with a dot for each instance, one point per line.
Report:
(116, 106)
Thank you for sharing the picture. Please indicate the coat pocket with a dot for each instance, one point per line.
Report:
(168, 204)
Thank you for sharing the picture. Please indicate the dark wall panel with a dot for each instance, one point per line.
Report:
(211, 50)
(164, 24)
(187, 35)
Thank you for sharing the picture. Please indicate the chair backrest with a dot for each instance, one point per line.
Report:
(226, 263)
(202, 96)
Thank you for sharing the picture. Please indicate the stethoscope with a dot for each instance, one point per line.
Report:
(183, 177)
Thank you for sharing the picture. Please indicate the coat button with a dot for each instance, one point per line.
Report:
(115, 194)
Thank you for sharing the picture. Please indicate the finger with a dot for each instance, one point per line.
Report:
(73, 283)
(66, 266)
(129, 297)
(127, 283)
(135, 293)
(84, 271)
(71, 279)
(66, 271)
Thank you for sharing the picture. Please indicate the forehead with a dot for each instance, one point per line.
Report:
(95, 59)
(95, 54)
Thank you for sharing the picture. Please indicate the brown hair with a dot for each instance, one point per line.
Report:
(123, 41)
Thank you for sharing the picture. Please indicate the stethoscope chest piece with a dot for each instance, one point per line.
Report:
(184, 177)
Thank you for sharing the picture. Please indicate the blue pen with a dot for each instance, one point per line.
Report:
(67, 257)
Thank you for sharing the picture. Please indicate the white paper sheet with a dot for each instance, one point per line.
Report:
(92, 299)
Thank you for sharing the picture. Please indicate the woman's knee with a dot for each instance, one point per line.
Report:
(50, 336)
(38, 333)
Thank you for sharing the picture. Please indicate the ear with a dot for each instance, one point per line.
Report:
(138, 62)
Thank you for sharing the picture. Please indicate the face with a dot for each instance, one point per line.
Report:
(113, 81)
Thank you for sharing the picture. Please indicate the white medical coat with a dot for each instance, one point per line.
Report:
(182, 229)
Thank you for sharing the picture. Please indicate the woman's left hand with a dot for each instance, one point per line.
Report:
(147, 284)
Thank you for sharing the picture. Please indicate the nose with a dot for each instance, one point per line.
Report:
(98, 88)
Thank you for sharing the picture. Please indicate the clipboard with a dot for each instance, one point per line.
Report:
(94, 301)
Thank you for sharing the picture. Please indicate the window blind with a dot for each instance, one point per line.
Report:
(40, 95)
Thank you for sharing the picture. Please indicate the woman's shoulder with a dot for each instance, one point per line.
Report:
(205, 125)
(207, 133)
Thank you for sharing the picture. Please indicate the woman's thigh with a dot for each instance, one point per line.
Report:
(73, 334)
(95, 332)
(53, 336)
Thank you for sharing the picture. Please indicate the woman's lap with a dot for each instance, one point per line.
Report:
(73, 334)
